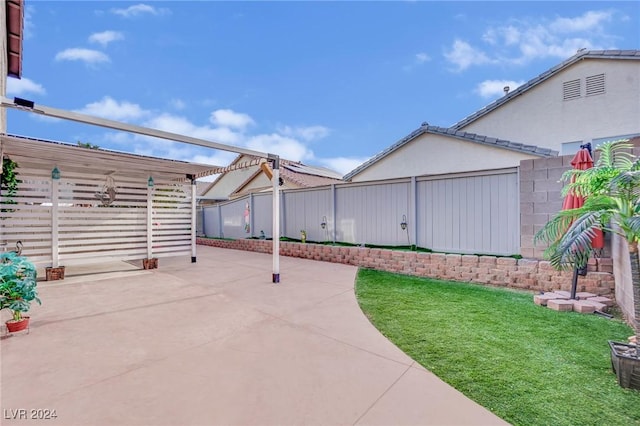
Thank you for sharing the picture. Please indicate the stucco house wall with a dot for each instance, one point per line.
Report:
(622, 274)
(540, 116)
(436, 154)
(228, 182)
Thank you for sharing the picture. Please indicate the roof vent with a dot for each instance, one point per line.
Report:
(571, 90)
(595, 85)
(506, 90)
(424, 124)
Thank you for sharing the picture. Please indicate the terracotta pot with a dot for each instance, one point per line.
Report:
(13, 325)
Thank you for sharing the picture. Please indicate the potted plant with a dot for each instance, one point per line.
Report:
(17, 288)
(612, 203)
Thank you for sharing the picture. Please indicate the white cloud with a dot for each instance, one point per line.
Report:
(309, 133)
(109, 108)
(85, 55)
(178, 104)
(422, 57)
(176, 124)
(291, 146)
(589, 21)
(28, 24)
(106, 37)
(495, 88)
(342, 165)
(220, 158)
(23, 86)
(140, 9)
(521, 40)
(285, 147)
(463, 55)
(230, 118)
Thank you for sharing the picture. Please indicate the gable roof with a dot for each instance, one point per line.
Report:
(300, 174)
(450, 132)
(586, 54)
(210, 185)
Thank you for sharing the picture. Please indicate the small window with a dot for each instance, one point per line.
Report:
(571, 90)
(569, 148)
(595, 85)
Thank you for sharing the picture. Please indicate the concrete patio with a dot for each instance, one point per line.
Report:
(217, 343)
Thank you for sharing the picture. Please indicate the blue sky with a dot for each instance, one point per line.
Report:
(325, 83)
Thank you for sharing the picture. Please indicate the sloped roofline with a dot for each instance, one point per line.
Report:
(586, 54)
(453, 133)
(215, 181)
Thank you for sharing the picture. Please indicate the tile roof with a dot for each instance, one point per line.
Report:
(307, 177)
(450, 132)
(585, 54)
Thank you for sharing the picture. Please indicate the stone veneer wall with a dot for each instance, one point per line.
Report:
(525, 274)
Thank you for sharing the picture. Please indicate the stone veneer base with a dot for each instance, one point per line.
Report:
(526, 274)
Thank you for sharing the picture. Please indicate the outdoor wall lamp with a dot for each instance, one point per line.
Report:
(55, 173)
(323, 225)
(403, 224)
(150, 182)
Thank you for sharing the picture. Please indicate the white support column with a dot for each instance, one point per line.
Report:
(194, 194)
(55, 254)
(149, 221)
(334, 226)
(276, 220)
(413, 219)
(251, 215)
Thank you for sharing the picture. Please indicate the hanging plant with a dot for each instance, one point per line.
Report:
(9, 182)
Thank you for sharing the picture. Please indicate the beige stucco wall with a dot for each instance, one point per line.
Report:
(622, 274)
(435, 154)
(541, 117)
(257, 183)
(230, 181)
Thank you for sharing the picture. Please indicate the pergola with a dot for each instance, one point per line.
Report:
(136, 172)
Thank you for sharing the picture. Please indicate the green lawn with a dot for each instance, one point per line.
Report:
(528, 364)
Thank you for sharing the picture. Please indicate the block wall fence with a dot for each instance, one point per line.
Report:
(540, 199)
(526, 274)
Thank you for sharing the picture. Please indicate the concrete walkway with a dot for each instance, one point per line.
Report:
(216, 343)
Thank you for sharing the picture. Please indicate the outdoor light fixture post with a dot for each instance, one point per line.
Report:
(323, 225)
(403, 224)
(55, 173)
(150, 182)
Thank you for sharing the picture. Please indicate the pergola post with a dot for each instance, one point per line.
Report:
(150, 187)
(194, 224)
(276, 218)
(55, 196)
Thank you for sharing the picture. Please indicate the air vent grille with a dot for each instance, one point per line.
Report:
(571, 89)
(595, 85)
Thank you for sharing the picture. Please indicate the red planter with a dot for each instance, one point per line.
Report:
(14, 326)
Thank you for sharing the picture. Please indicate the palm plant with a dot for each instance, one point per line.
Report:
(612, 204)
